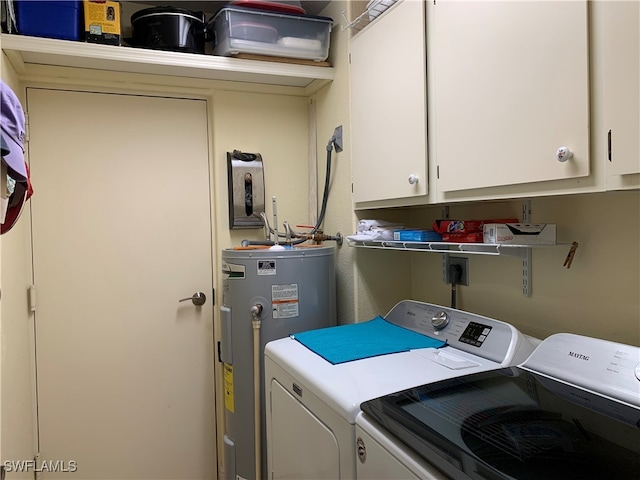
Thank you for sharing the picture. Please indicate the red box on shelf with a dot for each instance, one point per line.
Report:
(469, 237)
(466, 226)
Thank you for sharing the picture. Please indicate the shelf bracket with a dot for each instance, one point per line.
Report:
(444, 215)
(358, 23)
(526, 274)
(526, 261)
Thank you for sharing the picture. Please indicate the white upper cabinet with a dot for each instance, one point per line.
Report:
(621, 80)
(511, 88)
(388, 108)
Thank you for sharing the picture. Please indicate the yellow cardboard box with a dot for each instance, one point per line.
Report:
(102, 21)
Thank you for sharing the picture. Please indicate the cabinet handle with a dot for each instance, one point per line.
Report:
(609, 145)
(563, 154)
(413, 179)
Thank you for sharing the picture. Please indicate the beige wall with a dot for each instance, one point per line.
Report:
(17, 414)
(359, 272)
(276, 126)
(598, 296)
(332, 105)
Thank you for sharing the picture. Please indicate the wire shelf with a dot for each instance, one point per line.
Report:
(357, 23)
(374, 9)
(519, 251)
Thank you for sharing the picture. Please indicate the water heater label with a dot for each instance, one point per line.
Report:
(266, 267)
(230, 270)
(284, 300)
(228, 387)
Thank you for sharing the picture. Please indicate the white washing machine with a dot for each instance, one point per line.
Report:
(382, 457)
(312, 404)
(570, 411)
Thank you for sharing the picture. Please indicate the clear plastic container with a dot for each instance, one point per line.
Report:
(248, 30)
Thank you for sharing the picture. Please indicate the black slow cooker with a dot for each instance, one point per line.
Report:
(168, 28)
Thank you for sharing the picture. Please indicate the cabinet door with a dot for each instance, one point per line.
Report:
(388, 106)
(511, 87)
(621, 70)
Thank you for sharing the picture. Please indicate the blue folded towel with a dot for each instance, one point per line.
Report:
(363, 340)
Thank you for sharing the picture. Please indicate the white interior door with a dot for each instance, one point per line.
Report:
(121, 232)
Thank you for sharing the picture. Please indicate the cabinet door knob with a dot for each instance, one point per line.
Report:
(563, 154)
(413, 179)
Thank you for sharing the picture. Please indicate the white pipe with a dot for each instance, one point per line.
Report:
(275, 219)
(276, 245)
(256, 310)
(313, 164)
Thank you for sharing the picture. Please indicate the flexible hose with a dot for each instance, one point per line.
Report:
(327, 181)
(325, 195)
(323, 208)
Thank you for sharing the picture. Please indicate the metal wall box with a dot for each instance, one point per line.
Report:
(246, 189)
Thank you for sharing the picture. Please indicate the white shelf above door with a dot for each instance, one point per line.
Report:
(23, 50)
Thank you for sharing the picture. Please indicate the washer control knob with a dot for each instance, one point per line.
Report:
(440, 320)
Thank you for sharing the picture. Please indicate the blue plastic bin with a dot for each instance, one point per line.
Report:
(51, 19)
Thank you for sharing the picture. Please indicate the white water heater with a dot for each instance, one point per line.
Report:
(286, 291)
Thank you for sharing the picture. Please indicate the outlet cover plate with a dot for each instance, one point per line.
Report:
(464, 264)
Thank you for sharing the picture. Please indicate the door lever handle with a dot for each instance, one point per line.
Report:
(198, 299)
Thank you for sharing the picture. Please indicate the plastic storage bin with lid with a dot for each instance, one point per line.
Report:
(261, 32)
(281, 6)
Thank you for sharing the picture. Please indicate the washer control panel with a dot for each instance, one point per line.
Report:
(475, 334)
(482, 336)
